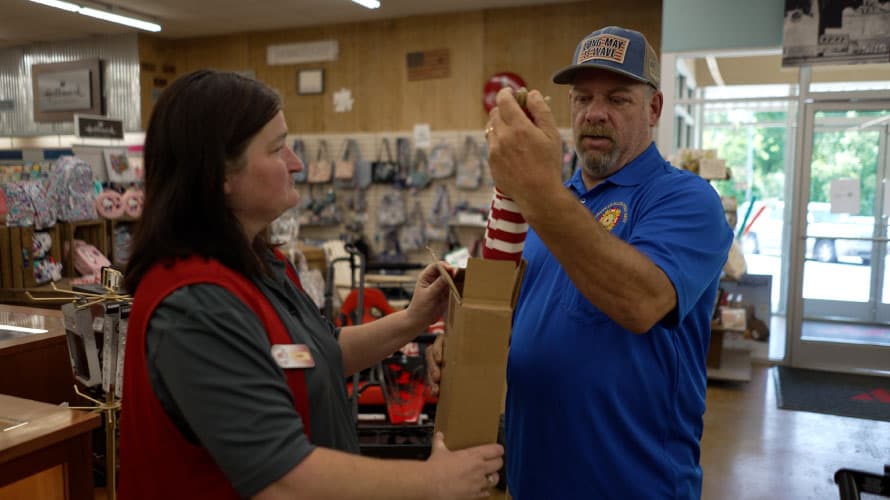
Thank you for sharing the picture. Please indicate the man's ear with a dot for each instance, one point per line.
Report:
(655, 104)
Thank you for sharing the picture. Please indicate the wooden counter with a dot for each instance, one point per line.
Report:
(49, 456)
(35, 366)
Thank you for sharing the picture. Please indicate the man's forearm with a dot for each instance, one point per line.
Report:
(615, 277)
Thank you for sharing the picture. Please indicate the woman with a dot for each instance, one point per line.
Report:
(233, 384)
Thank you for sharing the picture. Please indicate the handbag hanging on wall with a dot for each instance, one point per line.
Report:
(420, 171)
(411, 236)
(391, 250)
(321, 170)
(403, 159)
(344, 168)
(391, 210)
(440, 212)
(384, 170)
(363, 170)
(442, 161)
(469, 170)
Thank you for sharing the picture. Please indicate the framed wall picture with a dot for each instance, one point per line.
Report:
(310, 81)
(62, 89)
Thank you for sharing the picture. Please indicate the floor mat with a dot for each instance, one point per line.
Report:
(848, 395)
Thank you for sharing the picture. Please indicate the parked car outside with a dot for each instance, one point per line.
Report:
(826, 231)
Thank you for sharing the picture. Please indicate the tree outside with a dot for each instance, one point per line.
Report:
(755, 151)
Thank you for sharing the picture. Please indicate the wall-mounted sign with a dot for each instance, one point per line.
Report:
(343, 101)
(496, 83)
(98, 127)
(310, 81)
(63, 89)
(7, 104)
(428, 64)
(296, 53)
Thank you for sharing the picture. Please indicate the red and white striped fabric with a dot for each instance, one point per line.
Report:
(505, 234)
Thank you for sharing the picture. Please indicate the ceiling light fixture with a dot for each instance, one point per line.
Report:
(70, 7)
(117, 18)
(102, 14)
(370, 4)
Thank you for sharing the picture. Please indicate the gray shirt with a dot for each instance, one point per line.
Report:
(210, 366)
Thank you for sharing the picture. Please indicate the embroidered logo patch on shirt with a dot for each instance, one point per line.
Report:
(612, 215)
(607, 47)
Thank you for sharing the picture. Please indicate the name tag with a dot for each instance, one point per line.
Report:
(292, 356)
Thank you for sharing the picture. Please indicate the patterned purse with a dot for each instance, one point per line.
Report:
(321, 170)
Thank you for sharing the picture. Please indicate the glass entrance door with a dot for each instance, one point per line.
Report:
(841, 229)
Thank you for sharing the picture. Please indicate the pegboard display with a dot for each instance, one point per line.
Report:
(370, 146)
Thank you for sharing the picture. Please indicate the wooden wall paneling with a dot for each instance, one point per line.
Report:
(303, 112)
(227, 52)
(154, 55)
(350, 72)
(531, 41)
(446, 103)
(380, 95)
(281, 78)
(535, 41)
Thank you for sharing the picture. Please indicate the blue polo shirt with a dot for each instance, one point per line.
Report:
(594, 410)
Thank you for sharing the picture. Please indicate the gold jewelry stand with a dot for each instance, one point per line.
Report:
(111, 281)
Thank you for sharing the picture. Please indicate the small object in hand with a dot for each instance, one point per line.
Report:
(521, 95)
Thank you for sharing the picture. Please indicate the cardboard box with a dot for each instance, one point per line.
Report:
(712, 168)
(477, 335)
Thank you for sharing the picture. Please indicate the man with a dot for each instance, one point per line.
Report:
(606, 374)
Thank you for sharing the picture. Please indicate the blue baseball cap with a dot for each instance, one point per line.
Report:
(620, 50)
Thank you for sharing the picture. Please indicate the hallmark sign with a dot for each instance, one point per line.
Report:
(98, 127)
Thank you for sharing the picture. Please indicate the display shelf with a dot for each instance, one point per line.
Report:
(94, 232)
(723, 362)
(19, 295)
(128, 222)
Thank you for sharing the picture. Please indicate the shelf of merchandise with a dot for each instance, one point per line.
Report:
(726, 363)
(94, 232)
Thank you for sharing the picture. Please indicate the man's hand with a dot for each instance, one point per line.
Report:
(525, 156)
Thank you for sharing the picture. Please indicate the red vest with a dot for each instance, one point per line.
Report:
(156, 461)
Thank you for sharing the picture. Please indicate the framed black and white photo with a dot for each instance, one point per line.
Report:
(63, 89)
(836, 32)
(310, 81)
